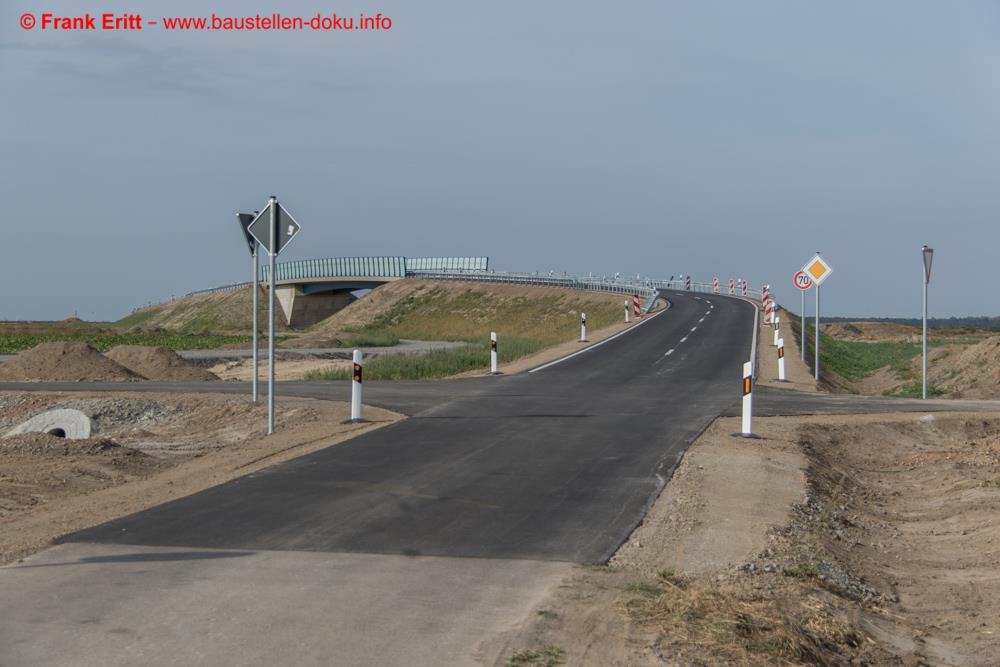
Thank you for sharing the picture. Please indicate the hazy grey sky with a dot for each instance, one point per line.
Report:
(660, 137)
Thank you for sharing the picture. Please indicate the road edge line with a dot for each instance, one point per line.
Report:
(606, 340)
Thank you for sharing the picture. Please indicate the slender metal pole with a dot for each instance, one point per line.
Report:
(816, 344)
(802, 338)
(270, 324)
(925, 337)
(253, 286)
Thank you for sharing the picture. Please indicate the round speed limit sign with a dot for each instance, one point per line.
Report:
(802, 280)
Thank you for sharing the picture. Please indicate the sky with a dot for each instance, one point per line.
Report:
(656, 138)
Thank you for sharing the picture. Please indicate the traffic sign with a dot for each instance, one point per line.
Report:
(817, 269)
(245, 219)
(802, 280)
(285, 231)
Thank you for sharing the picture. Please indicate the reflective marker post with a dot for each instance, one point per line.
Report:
(626, 312)
(493, 354)
(356, 380)
(747, 388)
(777, 329)
(583, 327)
(928, 253)
(781, 360)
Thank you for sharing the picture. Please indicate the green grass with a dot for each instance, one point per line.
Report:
(547, 656)
(434, 364)
(372, 339)
(915, 390)
(11, 343)
(857, 360)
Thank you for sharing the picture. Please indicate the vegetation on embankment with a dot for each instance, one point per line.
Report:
(881, 358)
(526, 318)
(222, 313)
(18, 336)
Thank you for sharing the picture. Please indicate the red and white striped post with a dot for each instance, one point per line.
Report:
(744, 287)
(715, 285)
(636, 311)
(732, 287)
(687, 283)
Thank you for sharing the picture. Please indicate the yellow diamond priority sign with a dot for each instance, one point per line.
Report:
(817, 269)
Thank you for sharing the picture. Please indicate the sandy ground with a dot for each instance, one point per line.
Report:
(851, 539)
(171, 446)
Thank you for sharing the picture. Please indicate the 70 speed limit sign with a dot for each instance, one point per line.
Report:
(802, 280)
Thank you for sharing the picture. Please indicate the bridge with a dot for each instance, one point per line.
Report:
(310, 290)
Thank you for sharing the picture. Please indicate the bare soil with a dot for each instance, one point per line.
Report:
(64, 362)
(831, 541)
(797, 373)
(149, 450)
(157, 363)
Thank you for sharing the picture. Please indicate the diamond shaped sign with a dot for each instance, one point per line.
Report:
(817, 269)
(245, 219)
(285, 231)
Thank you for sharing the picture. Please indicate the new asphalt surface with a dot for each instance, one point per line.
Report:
(558, 464)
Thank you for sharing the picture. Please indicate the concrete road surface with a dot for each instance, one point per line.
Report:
(412, 545)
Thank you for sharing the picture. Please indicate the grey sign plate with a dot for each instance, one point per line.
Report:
(286, 230)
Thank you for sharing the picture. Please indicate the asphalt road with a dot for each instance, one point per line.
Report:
(558, 464)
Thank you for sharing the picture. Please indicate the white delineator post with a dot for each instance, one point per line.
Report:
(777, 329)
(627, 309)
(781, 359)
(747, 388)
(493, 353)
(583, 327)
(356, 380)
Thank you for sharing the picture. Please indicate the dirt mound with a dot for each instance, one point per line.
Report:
(157, 363)
(64, 362)
(50, 445)
(72, 320)
(969, 372)
(872, 332)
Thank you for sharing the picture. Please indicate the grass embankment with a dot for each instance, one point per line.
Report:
(855, 361)
(223, 313)
(524, 325)
(19, 336)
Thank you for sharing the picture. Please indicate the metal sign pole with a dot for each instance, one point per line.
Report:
(802, 338)
(273, 202)
(816, 344)
(253, 286)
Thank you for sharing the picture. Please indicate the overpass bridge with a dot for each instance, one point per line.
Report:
(310, 290)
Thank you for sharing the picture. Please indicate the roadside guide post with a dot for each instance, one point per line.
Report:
(626, 312)
(583, 327)
(273, 228)
(781, 360)
(818, 271)
(245, 219)
(802, 282)
(357, 378)
(777, 329)
(746, 387)
(928, 253)
(493, 354)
